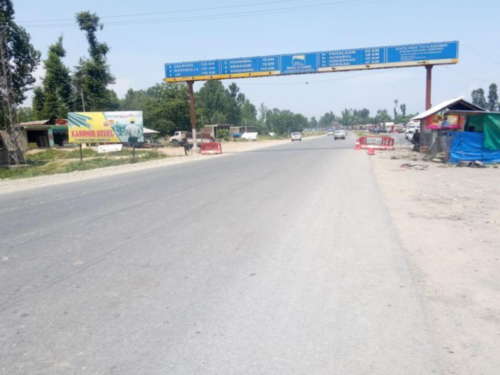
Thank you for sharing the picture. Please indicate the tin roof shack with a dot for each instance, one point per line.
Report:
(213, 130)
(435, 124)
(238, 131)
(479, 140)
(45, 133)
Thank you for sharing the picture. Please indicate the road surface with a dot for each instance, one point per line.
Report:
(277, 261)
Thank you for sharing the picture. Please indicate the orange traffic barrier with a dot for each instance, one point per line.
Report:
(358, 145)
(371, 151)
(211, 148)
(380, 143)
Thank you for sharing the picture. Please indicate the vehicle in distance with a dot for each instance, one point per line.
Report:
(296, 136)
(178, 136)
(339, 134)
(410, 130)
(329, 132)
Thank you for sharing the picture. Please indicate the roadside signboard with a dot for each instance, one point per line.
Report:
(315, 62)
(105, 127)
(102, 149)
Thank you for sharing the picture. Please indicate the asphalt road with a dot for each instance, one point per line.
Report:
(277, 261)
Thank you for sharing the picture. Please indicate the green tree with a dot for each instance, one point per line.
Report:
(248, 113)
(382, 116)
(403, 109)
(346, 118)
(25, 114)
(92, 75)
(38, 103)
(363, 116)
(210, 99)
(113, 101)
(57, 88)
(236, 100)
(133, 100)
(478, 98)
(285, 121)
(218, 118)
(326, 120)
(493, 98)
(262, 114)
(396, 109)
(22, 56)
(166, 108)
(313, 123)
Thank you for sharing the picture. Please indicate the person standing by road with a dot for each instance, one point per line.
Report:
(134, 132)
(185, 144)
(416, 140)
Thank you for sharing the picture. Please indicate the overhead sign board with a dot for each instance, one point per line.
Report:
(315, 62)
(105, 127)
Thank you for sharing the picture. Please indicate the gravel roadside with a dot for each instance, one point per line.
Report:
(448, 219)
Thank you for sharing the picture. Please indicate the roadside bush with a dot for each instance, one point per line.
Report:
(223, 134)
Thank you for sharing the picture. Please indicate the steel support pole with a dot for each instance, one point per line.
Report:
(428, 87)
(193, 114)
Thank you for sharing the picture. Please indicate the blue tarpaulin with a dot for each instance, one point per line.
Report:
(468, 146)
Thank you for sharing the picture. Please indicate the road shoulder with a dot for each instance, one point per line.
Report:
(447, 219)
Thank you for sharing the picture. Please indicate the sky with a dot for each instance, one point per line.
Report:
(144, 35)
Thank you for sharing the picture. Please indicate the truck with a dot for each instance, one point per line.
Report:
(179, 135)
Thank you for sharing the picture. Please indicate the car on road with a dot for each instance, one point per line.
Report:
(296, 136)
(329, 132)
(410, 130)
(339, 134)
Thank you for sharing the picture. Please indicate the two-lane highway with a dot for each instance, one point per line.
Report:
(278, 261)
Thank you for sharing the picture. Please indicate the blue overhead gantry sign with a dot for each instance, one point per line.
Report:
(315, 62)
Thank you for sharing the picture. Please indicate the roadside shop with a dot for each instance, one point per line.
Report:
(439, 122)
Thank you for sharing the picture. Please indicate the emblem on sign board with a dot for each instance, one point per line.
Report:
(299, 59)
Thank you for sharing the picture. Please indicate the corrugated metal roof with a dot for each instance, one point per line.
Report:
(33, 123)
(446, 104)
(150, 131)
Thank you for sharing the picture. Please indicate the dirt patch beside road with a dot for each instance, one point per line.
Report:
(448, 220)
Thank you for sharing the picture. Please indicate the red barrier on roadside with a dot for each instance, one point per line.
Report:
(378, 143)
(357, 146)
(211, 148)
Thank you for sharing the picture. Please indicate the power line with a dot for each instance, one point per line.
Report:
(227, 15)
(482, 55)
(168, 12)
(465, 74)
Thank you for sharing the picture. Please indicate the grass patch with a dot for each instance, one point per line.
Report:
(53, 154)
(40, 168)
(361, 133)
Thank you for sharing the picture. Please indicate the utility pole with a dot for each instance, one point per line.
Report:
(193, 114)
(15, 154)
(428, 87)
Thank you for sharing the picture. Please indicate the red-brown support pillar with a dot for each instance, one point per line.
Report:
(193, 114)
(428, 88)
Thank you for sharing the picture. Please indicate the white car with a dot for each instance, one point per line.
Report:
(339, 134)
(296, 136)
(410, 131)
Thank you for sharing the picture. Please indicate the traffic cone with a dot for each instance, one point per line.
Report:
(358, 145)
(371, 151)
